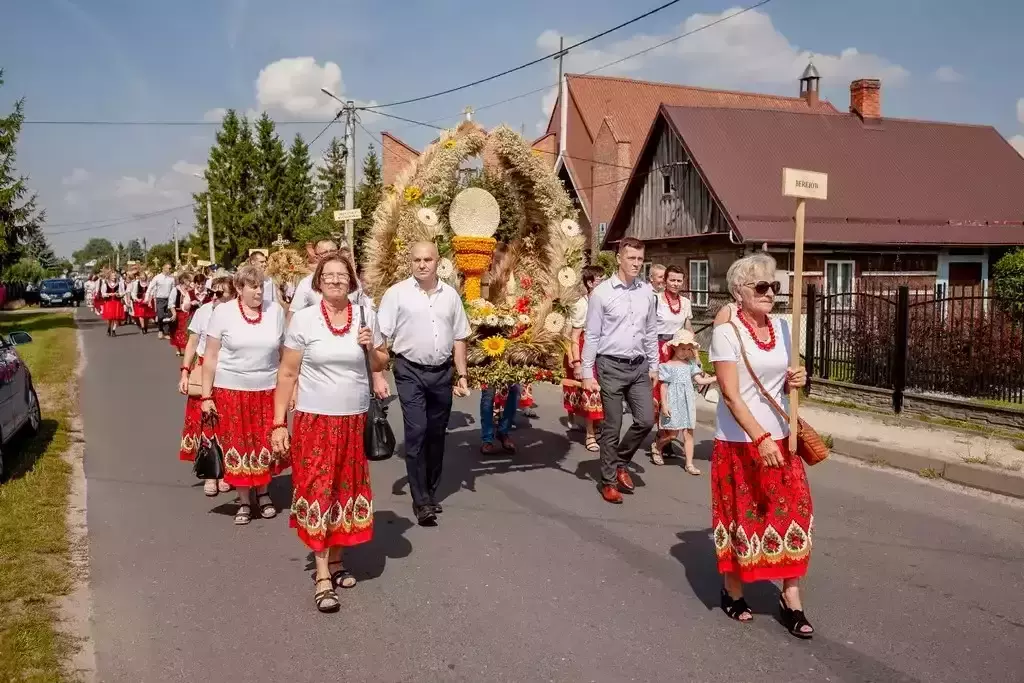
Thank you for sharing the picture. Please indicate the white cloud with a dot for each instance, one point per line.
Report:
(78, 176)
(1018, 143)
(746, 51)
(1020, 110)
(185, 168)
(216, 114)
(947, 74)
(292, 86)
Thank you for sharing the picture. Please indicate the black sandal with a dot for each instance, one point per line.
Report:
(326, 600)
(244, 514)
(736, 608)
(342, 578)
(267, 510)
(795, 621)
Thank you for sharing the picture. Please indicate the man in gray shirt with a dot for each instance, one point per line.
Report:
(620, 359)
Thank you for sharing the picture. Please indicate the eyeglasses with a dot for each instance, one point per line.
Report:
(334, 279)
(762, 287)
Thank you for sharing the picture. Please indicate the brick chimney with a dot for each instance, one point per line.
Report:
(866, 98)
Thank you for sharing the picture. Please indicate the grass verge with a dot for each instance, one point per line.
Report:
(34, 546)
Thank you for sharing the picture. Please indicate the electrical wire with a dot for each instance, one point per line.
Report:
(124, 221)
(139, 216)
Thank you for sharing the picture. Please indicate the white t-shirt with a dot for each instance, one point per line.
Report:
(578, 317)
(269, 289)
(198, 326)
(669, 322)
(332, 377)
(249, 354)
(770, 367)
(305, 296)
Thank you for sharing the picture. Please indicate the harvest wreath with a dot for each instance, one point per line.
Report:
(518, 329)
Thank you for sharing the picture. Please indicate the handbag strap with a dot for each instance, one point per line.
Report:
(366, 353)
(753, 375)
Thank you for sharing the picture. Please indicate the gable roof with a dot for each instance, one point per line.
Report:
(891, 181)
(633, 104)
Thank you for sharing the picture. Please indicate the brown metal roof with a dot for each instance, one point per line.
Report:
(891, 181)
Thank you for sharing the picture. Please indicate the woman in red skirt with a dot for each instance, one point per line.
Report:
(243, 350)
(142, 309)
(179, 305)
(194, 428)
(325, 353)
(110, 295)
(577, 402)
(761, 510)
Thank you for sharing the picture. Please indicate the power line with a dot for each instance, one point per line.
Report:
(329, 124)
(527, 64)
(138, 216)
(122, 221)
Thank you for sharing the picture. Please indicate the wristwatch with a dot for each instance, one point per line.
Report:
(460, 376)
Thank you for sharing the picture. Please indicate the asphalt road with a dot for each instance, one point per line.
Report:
(530, 575)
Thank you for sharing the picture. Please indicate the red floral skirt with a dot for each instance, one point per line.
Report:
(180, 337)
(193, 428)
(576, 400)
(113, 309)
(244, 419)
(332, 504)
(762, 517)
(142, 310)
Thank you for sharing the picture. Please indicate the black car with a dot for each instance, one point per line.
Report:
(59, 292)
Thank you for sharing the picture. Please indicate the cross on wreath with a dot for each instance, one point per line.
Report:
(189, 256)
(280, 242)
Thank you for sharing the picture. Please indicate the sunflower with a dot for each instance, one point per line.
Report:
(450, 143)
(493, 346)
(413, 194)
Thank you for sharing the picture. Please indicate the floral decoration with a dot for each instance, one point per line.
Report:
(413, 194)
(493, 346)
(445, 269)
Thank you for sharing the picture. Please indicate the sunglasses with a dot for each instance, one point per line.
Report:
(761, 288)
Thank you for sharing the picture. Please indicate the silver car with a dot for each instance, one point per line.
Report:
(19, 402)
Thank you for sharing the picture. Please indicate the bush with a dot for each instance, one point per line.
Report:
(1008, 278)
(25, 271)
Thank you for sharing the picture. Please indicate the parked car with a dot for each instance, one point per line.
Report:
(59, 292)
(19, 403)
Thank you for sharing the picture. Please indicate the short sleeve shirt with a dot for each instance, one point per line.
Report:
(249, 353)
(198, 325)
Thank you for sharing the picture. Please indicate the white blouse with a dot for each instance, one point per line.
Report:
(249, 354)
(669, 322)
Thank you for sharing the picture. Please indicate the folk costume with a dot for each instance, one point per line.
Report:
(193, 428)
(111, 292)
(181, 303)
(576, 400)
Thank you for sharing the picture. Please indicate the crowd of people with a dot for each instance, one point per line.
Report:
(254, 354)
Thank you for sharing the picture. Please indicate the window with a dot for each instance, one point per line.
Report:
(645, 271)
(602, 228)
(839, 282)
(699, 283)
(666, 183)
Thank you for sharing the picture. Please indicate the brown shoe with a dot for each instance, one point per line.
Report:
(611, 494)
(625, 481)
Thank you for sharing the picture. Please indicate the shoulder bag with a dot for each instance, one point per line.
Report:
(378, 437)
(809, 444)
(195, 379)
(209, 462)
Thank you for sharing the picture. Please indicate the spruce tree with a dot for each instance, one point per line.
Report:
(271, 173)
(330, 193)
(18, 214)
(37, 247)
(368, 196)
(300, 198)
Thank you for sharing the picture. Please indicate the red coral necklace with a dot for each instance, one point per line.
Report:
(252, 321)
(337, 331)
(678, 304)
(764, 346)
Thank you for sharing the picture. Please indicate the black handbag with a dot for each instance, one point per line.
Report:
(378, 437)
(209, 462)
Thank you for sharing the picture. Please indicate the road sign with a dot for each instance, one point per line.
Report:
(348, 215)
(804, 184)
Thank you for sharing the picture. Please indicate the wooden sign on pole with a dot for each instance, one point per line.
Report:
(348, 215)
(801, 185)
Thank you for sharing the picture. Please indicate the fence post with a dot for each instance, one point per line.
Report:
(899, 359)
(809, 337)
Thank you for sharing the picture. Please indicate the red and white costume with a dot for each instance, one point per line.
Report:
(112, 308)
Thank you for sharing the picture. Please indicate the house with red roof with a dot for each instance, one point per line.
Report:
(918, 202)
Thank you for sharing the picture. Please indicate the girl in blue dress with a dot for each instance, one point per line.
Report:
(678, 395)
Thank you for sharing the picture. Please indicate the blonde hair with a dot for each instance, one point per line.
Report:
(248, 275)
(749, 269)
(692, 355)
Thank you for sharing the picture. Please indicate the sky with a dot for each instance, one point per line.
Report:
(117, 60)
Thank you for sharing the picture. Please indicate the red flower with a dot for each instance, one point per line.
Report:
(523, 304)
(526, 282)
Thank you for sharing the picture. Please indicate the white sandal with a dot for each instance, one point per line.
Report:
(210, 487)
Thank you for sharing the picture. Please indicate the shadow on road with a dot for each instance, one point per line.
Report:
(696, 552)
(368, 560)
(22, 453)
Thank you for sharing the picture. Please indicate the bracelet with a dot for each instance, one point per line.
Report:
(761, 439)
(206, 398)
(577, 362)
(278, 425)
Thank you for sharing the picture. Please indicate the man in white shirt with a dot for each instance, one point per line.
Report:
(158, 294)
(425, 322)
(259, 259)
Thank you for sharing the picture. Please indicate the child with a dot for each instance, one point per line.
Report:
(678, 397)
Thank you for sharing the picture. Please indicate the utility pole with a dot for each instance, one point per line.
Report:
(350, 170)
(145, 251)
(177, 256)
(209, 225)
(562, 52)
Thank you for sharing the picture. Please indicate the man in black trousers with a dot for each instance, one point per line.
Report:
(426, 324)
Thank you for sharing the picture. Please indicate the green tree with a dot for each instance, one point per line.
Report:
(36, 246)
(330, 188)
(18, 213)
(272, 181)
(606, 259)
(1008, 280)
(134, 251)
(232, 184)
(300, 198)
(96, 249)
(63, 266)
(160, 254)
(368, 196)
(26, 271)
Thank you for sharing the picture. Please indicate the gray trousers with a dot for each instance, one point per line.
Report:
(161, 313)
(621, 380)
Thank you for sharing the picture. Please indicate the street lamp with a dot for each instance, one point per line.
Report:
(209, 216)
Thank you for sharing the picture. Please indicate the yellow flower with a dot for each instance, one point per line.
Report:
(413, 194)
(493, 346)
(398, 243)
(450, 143)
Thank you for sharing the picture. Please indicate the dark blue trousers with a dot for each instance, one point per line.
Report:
(425, 393)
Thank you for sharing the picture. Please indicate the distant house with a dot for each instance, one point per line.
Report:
(920, 202)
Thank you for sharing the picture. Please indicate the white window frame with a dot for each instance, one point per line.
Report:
(645, 271)
(602, 230)
(700, 294)
(842, 302)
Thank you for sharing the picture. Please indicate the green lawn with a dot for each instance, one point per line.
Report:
(34, 553)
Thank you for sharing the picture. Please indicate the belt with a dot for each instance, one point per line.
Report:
(635, 360)
(423, 366)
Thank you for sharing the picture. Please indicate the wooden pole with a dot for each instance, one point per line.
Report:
(795, 324)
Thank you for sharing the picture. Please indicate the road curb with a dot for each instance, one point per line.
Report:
(1003, 482)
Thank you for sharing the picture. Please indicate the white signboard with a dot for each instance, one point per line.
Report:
(804, 184)
(348, 215)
